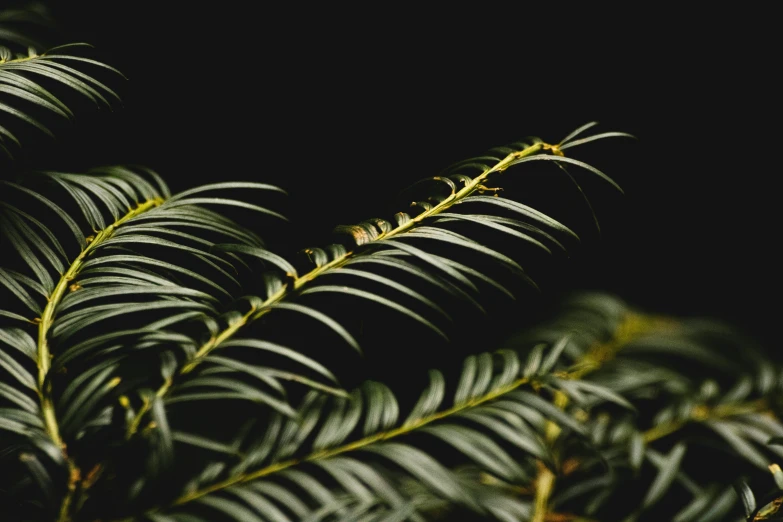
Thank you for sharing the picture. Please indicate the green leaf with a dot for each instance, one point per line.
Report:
(554, 355)
(43, 228)
(748, 498)
(48, 56)
(514, 432)
(299, 428)
(668, 467)
(690, 513)
(731, 434)
(368, 475)
(76, 383)
(323, 318)
(340, 422)
(32, 98)
(264, 255)
(602, 392)
(216, 379)
(382, 409)
(434, 261)
(480, 220)
(481, 276)
(16, 397)
(15, 317)
(578, 131)
(403, 265)
(313, 487)
(21, 416)
(378, 299)
(476, 378)
(90, 294)
(595, 137)
(282, 495)
(390, 283)
(51, 70)
(222, 202)
(8, 134)
(424, 468)
(22, 247)
(563, 159)
(69, 222)
(202, 442)
(260, 504)
(12, 78)
(84, 403)
(281, 350)
(20, 340)
(522, 209)
(225, 186)
(555, 414)
(636, 450)
(724, 502)
(480, 448)
(17, 371)
(230, 508)
(24, 117)
(8, 281)
(87, 206)
(135, 260)
(232, 232)
(460, 240)
(67, 325)
(128, 239)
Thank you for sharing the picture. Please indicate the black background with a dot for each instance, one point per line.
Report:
(345, 107)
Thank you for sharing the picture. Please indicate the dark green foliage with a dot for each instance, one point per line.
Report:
(159, 362)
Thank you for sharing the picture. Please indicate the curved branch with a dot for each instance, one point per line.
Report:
(299, 282)
(631, 328)
(44, 356)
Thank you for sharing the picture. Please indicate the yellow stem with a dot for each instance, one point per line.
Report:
(44, 356)
(632, 326)
(372, 439)
(456, 197)
(47, 318)
(545, 483)
(629, 327)
(299, 282)
(203, 352)
(702, 414)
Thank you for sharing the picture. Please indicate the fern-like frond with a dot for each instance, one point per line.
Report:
(27, 82)
(362, 448)
(83, 254)
(413, 268)
(700, 393)
(188, 350)
(550, 432)
(444, 245)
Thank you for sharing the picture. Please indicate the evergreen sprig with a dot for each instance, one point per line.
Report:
(160, 362)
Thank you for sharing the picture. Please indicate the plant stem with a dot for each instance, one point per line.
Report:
(454, 198)
(632, 327)
(301, 281)
(545, 481)
(203, 352)
(332, 452)
(44, 356)
(626, 329)
(703, 414)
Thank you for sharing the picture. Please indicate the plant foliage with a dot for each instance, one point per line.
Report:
(160, 362)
